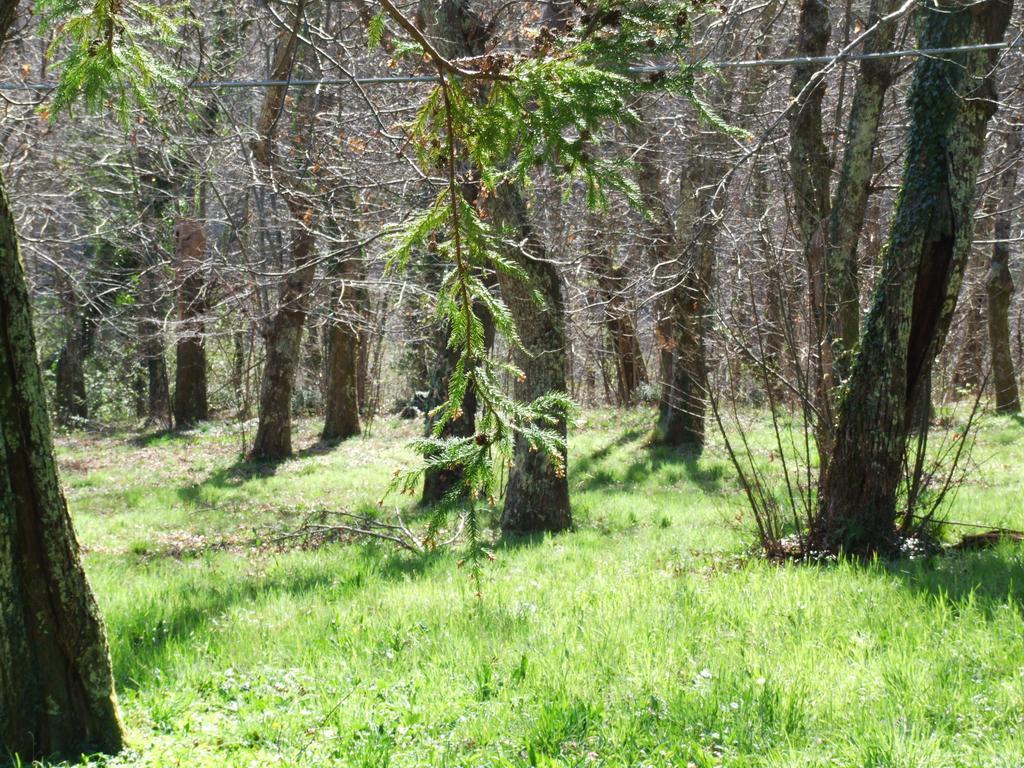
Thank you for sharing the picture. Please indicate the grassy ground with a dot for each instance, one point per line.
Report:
(644, 638)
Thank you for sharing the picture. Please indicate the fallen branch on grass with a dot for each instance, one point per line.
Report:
(396, 532)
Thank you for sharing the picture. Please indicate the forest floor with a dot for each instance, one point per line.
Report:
(646, 637)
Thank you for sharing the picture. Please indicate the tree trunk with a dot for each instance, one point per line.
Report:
(684, 401)
(846, 218)
(537, 497)
(683, 406)
(363, 384)
(157, 405)
(999, 284)
(439, 482)
(56, 685)
(283, 337)
(283, 332)
(458, 31)
(968, 373)
(70, 395)
(238, 377)
(810, 171)
(190, 398)
(348, 314)
(623, 341)
(679, 316)
(930, 239)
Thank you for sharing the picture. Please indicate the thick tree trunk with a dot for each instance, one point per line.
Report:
(348, 303)
(999, 284)
(190, 398)
(283, 331)
(683, 405)
(283, 336)
(56, 686)
(680, 315)
(684, 402)
(537, 496)
(950, 102)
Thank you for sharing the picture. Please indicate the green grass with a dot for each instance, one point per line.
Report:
(644, 638)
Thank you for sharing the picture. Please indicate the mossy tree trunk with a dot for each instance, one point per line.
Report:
(950, 102)
(190, 393)
(999, 283)
(846, 217)
(56, 686)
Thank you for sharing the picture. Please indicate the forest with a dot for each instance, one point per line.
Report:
(495, 383)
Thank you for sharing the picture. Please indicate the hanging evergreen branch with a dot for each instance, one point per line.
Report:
(108, 58)
(492, 120)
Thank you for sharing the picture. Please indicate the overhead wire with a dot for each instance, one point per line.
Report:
(637, 70)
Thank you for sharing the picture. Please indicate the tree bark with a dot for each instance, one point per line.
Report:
(283, 336)
(810, 171)
(968, 373)
(348, 313)
(999, 284)
(930, 239)
(56, 685)
(439, 482)
(190, 394)
(70, 395)
(660, 243)
(457, 30)
(683, 407)
(537, 496)
(846, 218)
(683, 272)
(151, 348)
(283, 331)
(620, 326)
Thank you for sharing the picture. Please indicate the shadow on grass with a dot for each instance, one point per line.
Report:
(988, 579)
(648, 462)
(146, 634)
(233, 476)
(321, 448)
(589, 461)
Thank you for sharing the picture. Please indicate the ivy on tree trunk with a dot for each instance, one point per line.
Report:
(950, 102)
